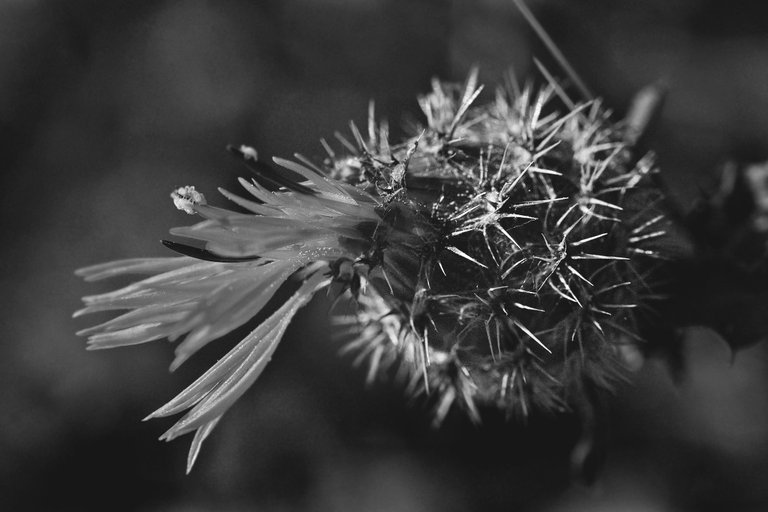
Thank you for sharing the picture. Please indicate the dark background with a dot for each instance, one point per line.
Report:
(105, 107)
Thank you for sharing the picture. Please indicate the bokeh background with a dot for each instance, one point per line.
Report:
(105, 107)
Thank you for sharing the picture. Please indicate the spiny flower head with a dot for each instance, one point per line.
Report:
(498, 257)
(537, 235)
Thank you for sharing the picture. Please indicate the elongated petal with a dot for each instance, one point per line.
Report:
(131, 336)
(132, 266)
(226, 365)
(200, 436)
(211, 395)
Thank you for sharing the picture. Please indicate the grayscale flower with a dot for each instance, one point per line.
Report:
(502, 256)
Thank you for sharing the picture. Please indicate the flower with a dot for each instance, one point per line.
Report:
(501, 256)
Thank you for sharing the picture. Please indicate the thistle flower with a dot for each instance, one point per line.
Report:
(501, 256)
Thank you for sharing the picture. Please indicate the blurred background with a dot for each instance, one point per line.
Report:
(105, 107)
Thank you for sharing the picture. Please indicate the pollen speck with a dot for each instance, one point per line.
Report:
(185, 198)
(249, 152)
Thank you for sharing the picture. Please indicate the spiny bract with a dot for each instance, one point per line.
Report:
(500, 257)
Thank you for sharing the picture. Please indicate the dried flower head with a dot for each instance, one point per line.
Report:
(500, 256)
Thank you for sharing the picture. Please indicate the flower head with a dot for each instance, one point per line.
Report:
(497, 257)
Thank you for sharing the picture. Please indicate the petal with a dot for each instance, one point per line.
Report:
(132, 266)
